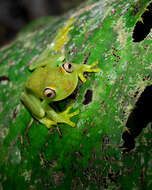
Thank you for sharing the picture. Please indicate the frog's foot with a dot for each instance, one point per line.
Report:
(47, 122)
(88, 68)
(65, 115)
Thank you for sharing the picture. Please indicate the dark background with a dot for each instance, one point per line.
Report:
(15, 14)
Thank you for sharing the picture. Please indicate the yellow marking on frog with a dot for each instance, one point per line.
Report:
(62, 36)
(51, 88)
(62, 70)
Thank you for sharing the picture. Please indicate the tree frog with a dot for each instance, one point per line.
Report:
(53, 80)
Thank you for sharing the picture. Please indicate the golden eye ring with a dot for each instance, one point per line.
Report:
(49, 92)
(67, 67)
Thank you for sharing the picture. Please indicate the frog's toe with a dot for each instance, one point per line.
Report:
(94, 64)
(72, 124)
(71, 115)
(97, 70)
(74, 113)
(82, 78)
(93, 70)
(68, 109)
(47, 122)
(90, 68)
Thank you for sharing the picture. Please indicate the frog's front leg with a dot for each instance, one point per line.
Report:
(62, 117)
(86, 68)
(34, 106)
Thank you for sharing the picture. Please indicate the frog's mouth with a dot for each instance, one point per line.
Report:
(59, 106)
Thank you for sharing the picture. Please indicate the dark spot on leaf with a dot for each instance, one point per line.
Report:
(78, 153)
(117, 56)
(15, 112)
(73, 50)
(112, 177)
(114, 65)
(88, 97)
(135, 10)
(147, 77)
(4, 78)
(59, 131)
(86, 58)
(146, 47)
(85, 131)
(105, 143)
(114, 48)
(138, 119)
(136, 93)
(142, 29)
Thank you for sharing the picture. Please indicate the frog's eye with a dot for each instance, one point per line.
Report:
(67, 67)
(49, 92)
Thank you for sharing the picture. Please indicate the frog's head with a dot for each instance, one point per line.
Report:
(53, 79)
(60, 83)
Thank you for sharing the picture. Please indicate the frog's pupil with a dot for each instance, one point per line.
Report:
(69, 66)
(49, 94)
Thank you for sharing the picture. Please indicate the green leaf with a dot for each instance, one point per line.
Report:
(87, 156)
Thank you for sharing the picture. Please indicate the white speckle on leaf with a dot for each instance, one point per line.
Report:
(1, 187)
(99, 74)
(15, 155)
(5, 82)
(149, 66)
(27, 175)
(10, 84)
(112, 78)
(100, 132)
(122, 34)
(80, 123)
(22, 68)
(51, 45)
(3, 132)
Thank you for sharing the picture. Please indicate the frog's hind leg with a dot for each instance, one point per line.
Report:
(62, 117)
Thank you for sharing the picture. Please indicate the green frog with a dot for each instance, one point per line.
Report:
(52, 80)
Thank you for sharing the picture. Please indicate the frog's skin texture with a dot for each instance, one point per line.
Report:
(53, 80)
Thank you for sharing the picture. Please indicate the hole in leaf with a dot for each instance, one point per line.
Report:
(143, 26)
(138, 119)
(88, 97)
(4, 78)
